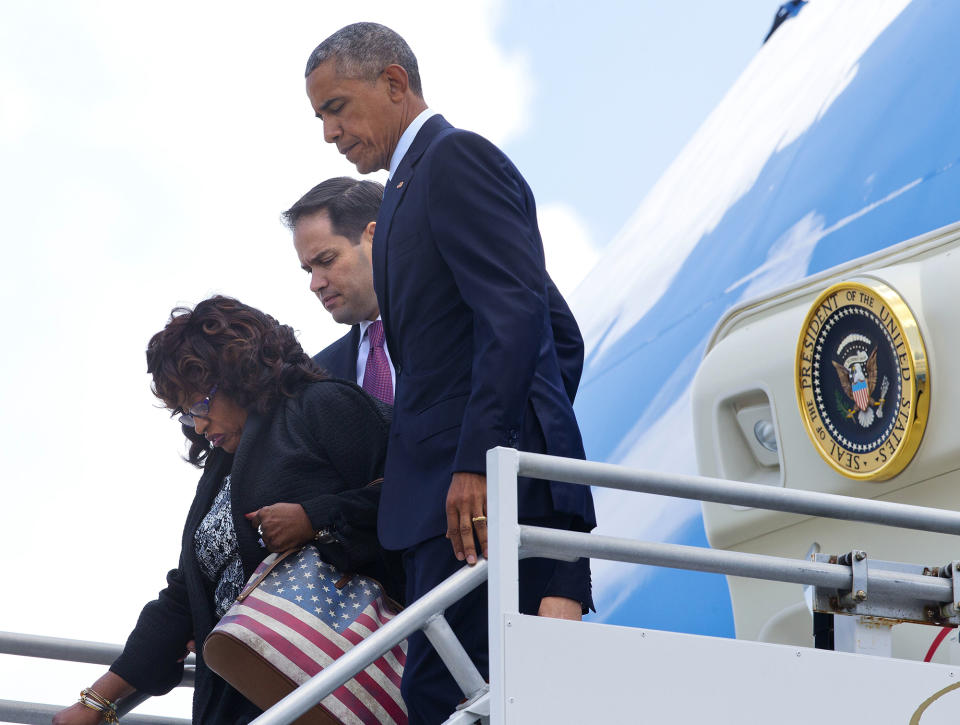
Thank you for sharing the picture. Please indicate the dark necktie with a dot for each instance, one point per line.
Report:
(376, 374)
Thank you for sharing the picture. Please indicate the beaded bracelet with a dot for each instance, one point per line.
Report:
(95, 701)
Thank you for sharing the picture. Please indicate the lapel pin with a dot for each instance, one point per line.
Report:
(400, 184)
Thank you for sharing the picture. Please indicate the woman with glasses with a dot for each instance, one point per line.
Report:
(288, 455)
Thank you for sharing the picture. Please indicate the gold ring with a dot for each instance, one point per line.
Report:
(475, 519)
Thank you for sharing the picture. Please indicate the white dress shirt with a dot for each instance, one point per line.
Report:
(364, 351)
(406, 138)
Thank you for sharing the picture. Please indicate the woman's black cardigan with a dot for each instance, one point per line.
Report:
(321, 450)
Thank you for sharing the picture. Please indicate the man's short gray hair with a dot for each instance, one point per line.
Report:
(363, 50)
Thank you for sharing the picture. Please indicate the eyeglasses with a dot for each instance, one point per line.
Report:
(198, 410)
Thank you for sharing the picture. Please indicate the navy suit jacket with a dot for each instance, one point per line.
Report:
(472, 321)
(340, 358)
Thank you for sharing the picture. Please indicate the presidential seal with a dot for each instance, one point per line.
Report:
(862, 380)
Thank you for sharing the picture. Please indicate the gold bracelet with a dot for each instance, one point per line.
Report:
(106, 713)
(97, 697)
(89, 703)
(95, 701)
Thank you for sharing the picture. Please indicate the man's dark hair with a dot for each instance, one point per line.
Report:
(349, 204)
(363, 50)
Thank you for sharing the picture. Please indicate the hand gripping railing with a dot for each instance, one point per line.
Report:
(509, 541)
(75, 650)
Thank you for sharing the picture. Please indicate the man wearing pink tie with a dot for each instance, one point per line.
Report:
(333, 226)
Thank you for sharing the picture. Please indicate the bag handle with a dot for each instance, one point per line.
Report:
(253, 584)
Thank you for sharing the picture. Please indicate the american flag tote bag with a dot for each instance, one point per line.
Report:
(296, 615)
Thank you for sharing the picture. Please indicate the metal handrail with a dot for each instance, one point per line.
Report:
(509, 541)
(76, 650)
(506, 535)
(554, 544)
(33, 713)
(754, 495)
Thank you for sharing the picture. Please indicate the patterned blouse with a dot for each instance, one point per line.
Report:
(217, 553)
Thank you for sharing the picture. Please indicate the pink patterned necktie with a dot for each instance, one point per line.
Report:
(376, 374)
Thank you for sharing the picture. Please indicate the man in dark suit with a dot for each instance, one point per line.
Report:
(486, 350)
(333, 226)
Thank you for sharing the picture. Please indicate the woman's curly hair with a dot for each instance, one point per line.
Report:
(247, 354)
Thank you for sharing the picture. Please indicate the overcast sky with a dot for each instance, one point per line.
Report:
(146, 152)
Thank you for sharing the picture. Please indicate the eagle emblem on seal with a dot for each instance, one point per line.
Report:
(858, 379)
(862, 379)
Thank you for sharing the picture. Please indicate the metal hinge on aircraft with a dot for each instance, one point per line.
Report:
(891, 590)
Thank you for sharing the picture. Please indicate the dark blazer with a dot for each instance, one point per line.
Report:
(566, 339)
(468, 312)
(340, 358)
(320, 449)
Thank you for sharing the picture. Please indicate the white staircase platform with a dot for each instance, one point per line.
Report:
(583, 672)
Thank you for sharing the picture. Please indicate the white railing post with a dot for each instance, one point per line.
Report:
(503, 545)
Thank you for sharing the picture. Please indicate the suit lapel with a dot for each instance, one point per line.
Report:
(393, 194)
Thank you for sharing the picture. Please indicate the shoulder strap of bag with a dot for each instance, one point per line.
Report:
(254, 583)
